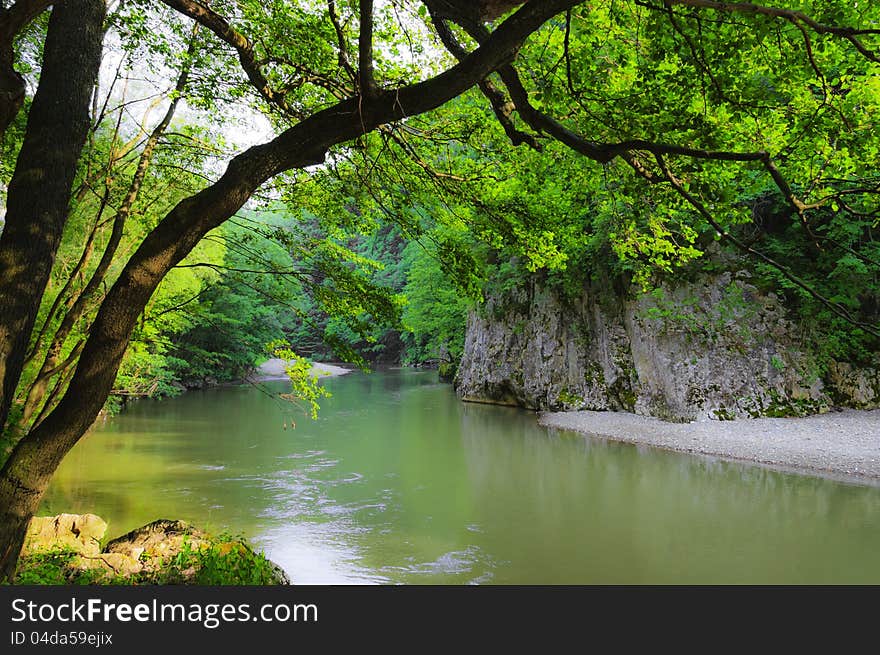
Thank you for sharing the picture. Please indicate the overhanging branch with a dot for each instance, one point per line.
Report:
(299, 146)
(629, 150)
(217, 24)
(694, 202)
(797, 18)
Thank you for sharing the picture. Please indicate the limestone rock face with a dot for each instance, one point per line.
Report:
(717, 349)
(81, 533)
(859, 388)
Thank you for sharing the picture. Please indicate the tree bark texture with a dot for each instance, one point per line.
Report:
(39, 193)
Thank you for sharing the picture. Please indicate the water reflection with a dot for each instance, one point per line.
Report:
(399, 482)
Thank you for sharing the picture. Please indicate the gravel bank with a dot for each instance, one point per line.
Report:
(273, 369)
(844, 445)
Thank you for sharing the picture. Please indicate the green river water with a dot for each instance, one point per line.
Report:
(399, 482)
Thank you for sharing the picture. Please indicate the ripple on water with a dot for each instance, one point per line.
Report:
(455, 562)
(318, 554)
(351, 478)
(321, 465)
(486, 578)
(333, 509)
(306, 455)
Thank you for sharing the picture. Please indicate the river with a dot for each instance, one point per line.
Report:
(399, 482)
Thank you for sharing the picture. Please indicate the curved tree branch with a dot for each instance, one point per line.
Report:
(629, 150)
(694, 202)
(214, 22)
(177, 234)
(501, 106)
(795, 17)
(19, 15)
(342, 44)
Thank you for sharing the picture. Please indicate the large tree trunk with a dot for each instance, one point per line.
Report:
(39, 193)
(22, 484)
(27, 472)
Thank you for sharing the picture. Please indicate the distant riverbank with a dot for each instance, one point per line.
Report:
(843, 445)
(273, 369)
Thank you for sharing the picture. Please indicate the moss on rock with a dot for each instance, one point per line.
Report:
(161, 552)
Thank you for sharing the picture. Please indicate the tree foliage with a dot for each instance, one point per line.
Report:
(565, 136)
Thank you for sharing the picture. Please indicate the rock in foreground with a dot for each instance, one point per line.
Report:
(66, 549)
(80, 533)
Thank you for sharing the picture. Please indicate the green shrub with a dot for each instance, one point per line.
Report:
(57, 567)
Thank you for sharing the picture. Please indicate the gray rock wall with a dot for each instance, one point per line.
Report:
(714, 350)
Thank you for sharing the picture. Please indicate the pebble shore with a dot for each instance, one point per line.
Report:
(273, 369)
(842, 444)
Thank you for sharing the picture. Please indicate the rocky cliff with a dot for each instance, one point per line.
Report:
(717, 349)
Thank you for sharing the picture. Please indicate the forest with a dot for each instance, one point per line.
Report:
(191, 188)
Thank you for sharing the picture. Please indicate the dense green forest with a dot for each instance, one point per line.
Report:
(192, 188)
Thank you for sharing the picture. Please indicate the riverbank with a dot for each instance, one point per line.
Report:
(843, 445)
(273, 369)
(69, 549)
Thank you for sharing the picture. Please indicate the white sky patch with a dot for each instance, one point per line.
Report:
(143, 95)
